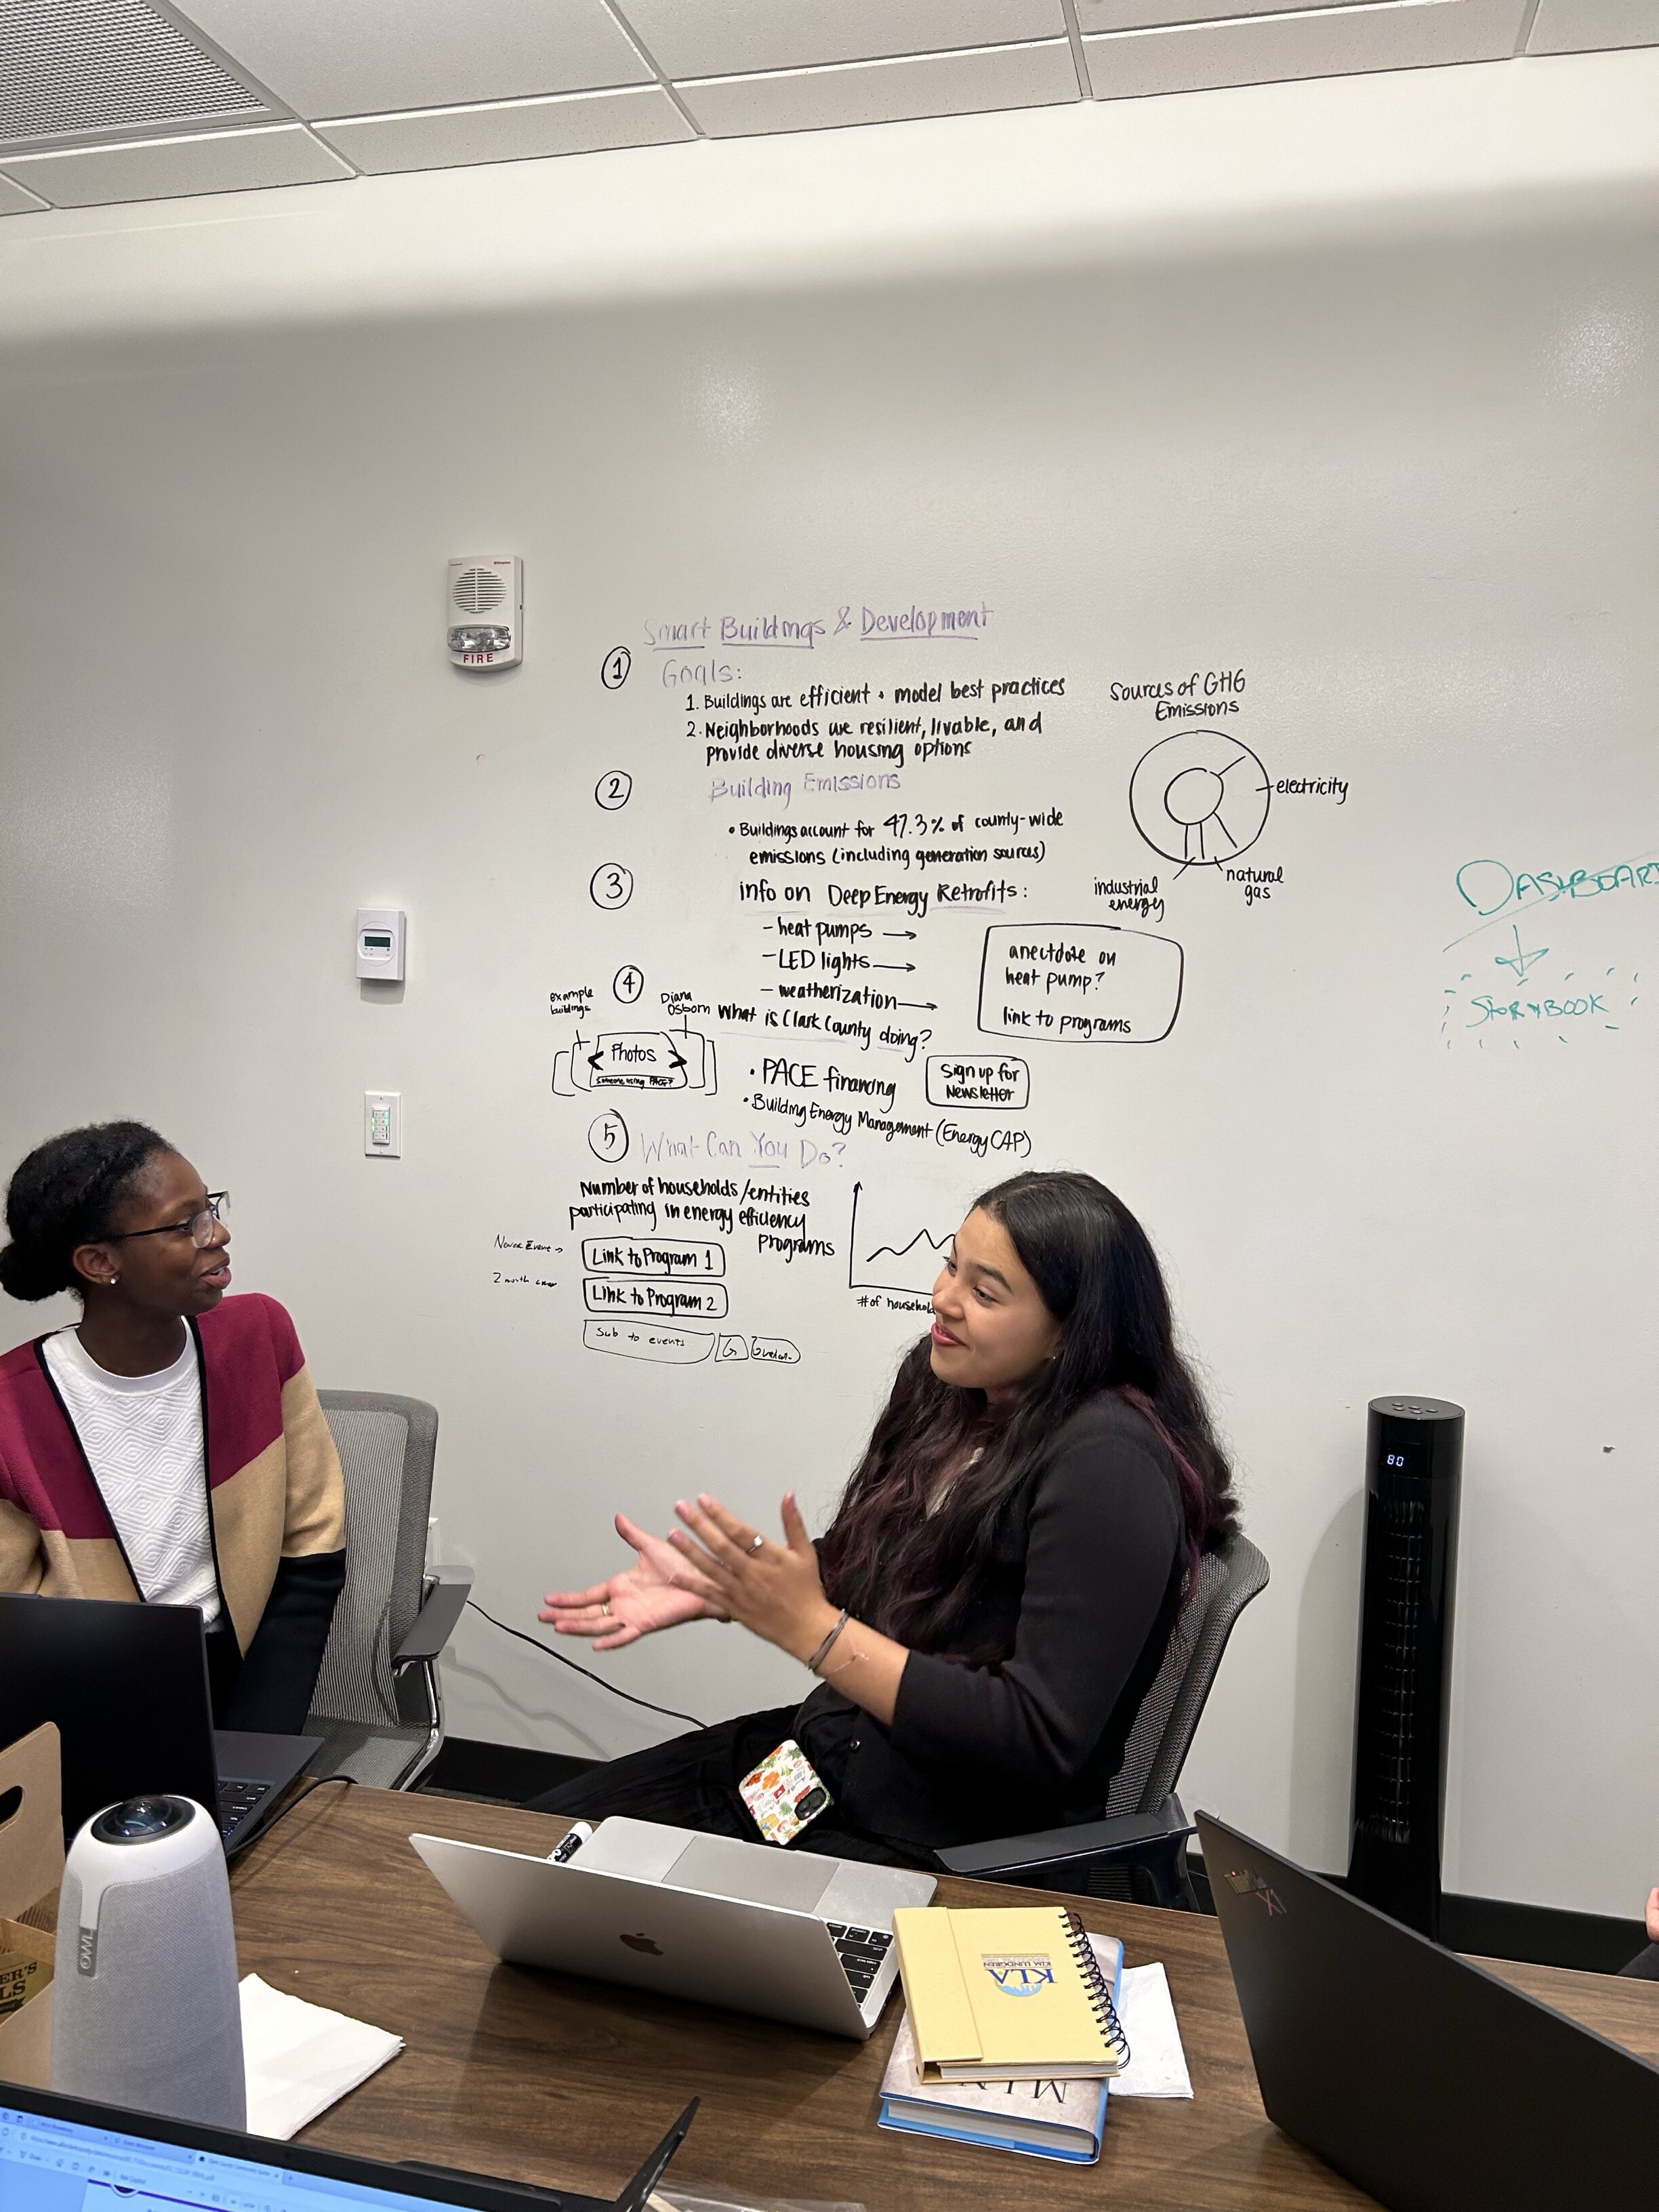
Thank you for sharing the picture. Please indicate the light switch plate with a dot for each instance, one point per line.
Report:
(383, 1125)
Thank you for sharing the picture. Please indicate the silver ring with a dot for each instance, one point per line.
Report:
(604, 1605)
(754, 1545)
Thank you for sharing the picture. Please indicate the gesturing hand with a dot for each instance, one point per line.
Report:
(774, 1589)
(660, 1592)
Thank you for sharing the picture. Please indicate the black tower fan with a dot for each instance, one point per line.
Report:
(1413, 1468)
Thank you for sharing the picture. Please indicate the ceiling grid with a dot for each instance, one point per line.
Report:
(104, 101)
(651, 63)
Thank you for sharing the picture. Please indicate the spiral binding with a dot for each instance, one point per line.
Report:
(1100, 1996)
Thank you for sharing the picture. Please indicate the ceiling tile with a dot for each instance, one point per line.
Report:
(884, 92)
(166, 169)
(352, 58)
(14, 200)
(721, 38)
(1577, 27)
(509, 130)
(1141, 14)
(113, 66)
(1332, 41)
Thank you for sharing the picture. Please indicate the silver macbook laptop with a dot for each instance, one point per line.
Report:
(779, 1933)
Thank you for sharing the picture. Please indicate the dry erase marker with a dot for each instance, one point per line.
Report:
(568, 1845)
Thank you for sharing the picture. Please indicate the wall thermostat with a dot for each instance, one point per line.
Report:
(485, 610)
(381, 934)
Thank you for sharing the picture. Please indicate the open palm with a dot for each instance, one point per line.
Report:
(660, 1591)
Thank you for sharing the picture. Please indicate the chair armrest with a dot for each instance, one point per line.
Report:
(1126, 1836)
(434, 1624)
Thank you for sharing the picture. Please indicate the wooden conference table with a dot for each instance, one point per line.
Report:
(551, 2080)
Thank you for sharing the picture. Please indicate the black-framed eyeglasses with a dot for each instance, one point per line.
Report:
(199, 1225)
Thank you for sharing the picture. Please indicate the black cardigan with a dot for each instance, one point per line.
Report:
(1080, 1595)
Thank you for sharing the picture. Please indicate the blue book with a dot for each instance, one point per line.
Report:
(1062, 2120)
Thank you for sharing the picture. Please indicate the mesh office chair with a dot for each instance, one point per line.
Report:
(379, 1705)
(1139, 1848)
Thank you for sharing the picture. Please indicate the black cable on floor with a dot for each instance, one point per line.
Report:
(668, 1711)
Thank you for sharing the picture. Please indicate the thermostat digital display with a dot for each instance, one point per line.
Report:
(381, 933)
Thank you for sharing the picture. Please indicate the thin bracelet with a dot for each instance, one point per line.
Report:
(823, 1651)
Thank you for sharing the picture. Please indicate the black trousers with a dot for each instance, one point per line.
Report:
(691, 1781)
(1645, 1966)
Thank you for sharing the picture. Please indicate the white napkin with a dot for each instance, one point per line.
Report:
(1157, 2065)
(301, 2058)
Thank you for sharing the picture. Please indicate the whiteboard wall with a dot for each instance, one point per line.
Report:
(1139, 656)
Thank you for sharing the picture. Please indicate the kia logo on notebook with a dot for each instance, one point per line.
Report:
(1021, 1976)
(1251, 1885)
(643, 1943)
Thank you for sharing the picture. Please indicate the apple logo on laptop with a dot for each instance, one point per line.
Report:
(643, 1943)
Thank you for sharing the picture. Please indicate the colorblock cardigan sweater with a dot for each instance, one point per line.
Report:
(277, 1503)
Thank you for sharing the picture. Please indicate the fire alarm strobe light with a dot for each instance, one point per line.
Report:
(485, 610)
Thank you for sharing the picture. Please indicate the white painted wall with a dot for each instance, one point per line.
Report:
(1348, 383)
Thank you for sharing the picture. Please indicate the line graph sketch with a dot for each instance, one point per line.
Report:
(888, 1249)
(1199, 797)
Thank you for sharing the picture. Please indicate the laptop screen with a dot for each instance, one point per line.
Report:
(126, 1685)
(53, 2165)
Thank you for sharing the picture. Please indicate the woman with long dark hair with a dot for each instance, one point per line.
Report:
(170, 1448)
(994, 1595)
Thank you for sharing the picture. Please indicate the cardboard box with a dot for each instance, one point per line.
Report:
(31, 1869)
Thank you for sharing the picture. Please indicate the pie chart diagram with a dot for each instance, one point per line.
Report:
(1199, 797)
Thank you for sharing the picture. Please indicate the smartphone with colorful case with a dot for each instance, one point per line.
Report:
(783, 1793)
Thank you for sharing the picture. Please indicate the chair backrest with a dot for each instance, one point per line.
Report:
(1227, 1578)
(386, 1447)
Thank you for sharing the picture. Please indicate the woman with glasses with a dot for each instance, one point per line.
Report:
(170, 1447)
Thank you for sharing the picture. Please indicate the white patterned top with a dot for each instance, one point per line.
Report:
(142, 1437)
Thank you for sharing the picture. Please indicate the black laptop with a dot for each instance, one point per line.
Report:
(127, 1685)
(1424, 2078)
(56, 2152)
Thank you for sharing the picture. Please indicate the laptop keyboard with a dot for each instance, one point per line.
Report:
(860, 1951)
(237, 1800)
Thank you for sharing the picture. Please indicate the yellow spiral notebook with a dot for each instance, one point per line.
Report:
(1007, 1995)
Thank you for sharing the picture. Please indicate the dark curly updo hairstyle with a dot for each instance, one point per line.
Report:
(64, 1195)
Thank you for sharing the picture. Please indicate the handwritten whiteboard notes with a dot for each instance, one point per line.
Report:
(686, 1347)
(1087, 983)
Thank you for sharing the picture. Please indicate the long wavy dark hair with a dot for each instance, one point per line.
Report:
(911, 1574)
